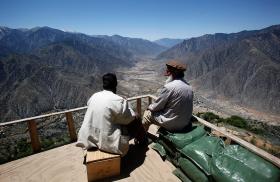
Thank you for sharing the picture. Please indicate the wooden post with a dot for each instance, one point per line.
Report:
(228, 141)
(35, 142)
(139, 109)
(150, 100)
(71, 126)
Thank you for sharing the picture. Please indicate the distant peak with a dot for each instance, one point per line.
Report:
(120, 37)
(116, 35)
(43, 28)
(4, 28)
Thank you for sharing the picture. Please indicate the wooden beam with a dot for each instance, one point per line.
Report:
(150, 100)
(63, 112)
(42, 116)
(137, 97)
(71, 126)
(139, 109)
(35, 142)
(153, 97)
(274, 160)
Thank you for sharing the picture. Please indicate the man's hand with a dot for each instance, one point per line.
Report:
(149, 108)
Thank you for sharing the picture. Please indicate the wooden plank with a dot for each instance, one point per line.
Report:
(35, 142)
(65, 163)
(42, 116)
(274, 160)
(63, 112)
(99, 155)
(139, 109)
(138, 97)
(71, 126)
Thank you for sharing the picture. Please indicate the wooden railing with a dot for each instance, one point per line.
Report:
(230, 138)
(32, 126)
(36, 146)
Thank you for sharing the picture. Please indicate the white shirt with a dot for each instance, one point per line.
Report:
(101, 128)
(174, 106)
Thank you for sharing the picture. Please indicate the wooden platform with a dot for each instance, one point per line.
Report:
(66, 164)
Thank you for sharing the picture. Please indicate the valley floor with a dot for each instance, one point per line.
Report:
(146, 77)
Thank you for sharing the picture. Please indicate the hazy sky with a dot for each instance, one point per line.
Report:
(149, 19)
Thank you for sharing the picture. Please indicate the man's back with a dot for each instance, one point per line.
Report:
(181, 97)
(103, 107)
(102, 123)
(175, 109)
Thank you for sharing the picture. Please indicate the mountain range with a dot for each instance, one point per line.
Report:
(44, 69)
(136, 46)
(243, 67)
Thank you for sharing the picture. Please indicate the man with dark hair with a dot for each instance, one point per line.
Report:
(173, 108)
(109, 122)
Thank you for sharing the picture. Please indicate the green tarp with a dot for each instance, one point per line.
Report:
(180, 140)
(201, 151)
(160, 149)
(236, 163)
(177, 172)
(205, 158)
(193, 172)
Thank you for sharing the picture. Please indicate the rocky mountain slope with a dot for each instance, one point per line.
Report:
(136, 46)
(44, 69)
(26, 41)
(244, 66)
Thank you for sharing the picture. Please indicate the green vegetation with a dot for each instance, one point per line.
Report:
(209, 116)
(254, 141)
(258, 131)
(16, 150)
(52, 142)
(236, 121)
(22, 149)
